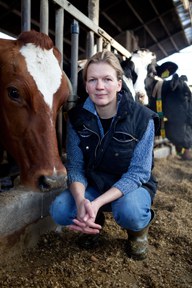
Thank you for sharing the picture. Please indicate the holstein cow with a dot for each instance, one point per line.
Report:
(33, 88)
(135, 72)
(172, 100)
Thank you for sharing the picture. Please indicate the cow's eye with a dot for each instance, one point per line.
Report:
(13, 93)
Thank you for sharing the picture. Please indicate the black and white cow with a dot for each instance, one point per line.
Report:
(172, 99)
(135, 72)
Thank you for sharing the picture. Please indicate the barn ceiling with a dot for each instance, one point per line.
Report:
(163, 26)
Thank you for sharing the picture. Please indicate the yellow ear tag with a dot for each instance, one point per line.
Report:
(165, 74)
(163, 133)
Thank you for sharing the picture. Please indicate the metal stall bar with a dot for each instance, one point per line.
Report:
(74, 61)
(59, 24)
(108, 46)
(25, 15)
(99, 44)
(90, 44)
(44, 16)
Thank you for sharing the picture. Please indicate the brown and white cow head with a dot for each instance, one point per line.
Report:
(33, 88)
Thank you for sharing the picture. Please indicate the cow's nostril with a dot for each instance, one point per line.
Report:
(47, 183)
(43, 184)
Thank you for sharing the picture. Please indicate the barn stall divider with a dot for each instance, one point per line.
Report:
(25, 214)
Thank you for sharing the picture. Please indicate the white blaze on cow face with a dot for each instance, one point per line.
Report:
(45, 70)
(129, 83)
(141, 60)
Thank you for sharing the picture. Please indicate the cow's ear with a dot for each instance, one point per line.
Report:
(57, 54)
(6, 45)
(166, 69)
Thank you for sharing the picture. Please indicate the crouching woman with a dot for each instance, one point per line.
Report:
(109, 160)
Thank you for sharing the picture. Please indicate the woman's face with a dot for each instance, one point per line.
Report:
(102, 84)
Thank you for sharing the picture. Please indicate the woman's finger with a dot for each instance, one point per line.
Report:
(90, 223)
(86, 217)
(89, 208)
(75, 228)
(86, 230)
(79, 223)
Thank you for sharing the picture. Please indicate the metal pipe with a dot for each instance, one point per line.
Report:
(74, 61)
(90, 44)
(108, 46)
(25, 15)
(59, 23)
(44, 16)
(99, 44)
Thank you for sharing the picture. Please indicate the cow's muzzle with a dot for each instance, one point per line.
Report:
(47, 183)
(141, 98)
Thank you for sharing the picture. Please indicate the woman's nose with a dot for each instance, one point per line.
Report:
(99, 84)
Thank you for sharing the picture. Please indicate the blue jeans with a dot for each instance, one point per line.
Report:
(132, 211)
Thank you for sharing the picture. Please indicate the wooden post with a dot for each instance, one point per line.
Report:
(93, 14)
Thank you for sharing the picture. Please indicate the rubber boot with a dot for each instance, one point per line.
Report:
(89, 241)
(137, 243)
(184, 153)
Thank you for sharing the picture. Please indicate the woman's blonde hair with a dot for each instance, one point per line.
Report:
(105, 57)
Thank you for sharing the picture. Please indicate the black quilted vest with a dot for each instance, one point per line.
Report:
(107, 158)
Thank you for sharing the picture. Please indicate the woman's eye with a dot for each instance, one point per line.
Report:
(91, 80)
(13, 93)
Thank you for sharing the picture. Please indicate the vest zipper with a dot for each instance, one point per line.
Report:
(99, 138)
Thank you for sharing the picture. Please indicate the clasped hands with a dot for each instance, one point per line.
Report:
(85, 221)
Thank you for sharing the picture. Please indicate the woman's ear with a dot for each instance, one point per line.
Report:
(119, 85)
(86, 89)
